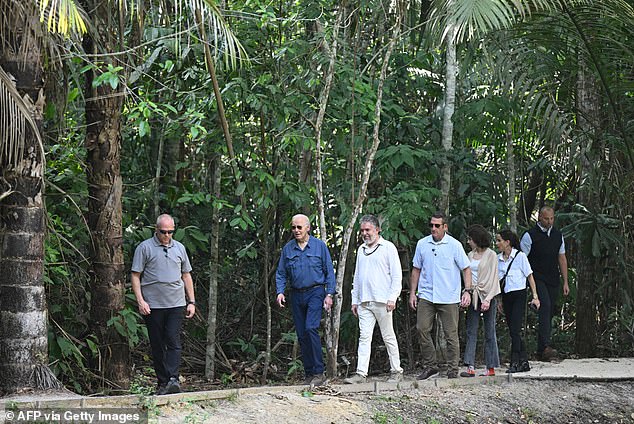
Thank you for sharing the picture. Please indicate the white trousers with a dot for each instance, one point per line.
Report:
(369, 314)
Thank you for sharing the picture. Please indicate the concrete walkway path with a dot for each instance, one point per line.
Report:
(590, 369)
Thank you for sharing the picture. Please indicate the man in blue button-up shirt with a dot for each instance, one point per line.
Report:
(435, 290)
(305, 268)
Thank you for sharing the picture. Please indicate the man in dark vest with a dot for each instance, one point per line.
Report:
(544, 246)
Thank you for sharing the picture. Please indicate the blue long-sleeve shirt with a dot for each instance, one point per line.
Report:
(299, 269)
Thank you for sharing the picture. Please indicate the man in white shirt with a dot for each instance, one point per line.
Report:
(376, 286)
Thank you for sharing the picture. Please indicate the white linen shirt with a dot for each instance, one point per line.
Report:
(378, 274)
(520, 270)
(440, 264)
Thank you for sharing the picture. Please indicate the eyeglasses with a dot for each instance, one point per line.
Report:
(299, 227)
(166, 231)
(432, 225)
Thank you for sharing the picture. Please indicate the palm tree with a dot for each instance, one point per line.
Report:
(23, 311)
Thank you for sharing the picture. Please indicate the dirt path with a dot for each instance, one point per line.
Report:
(517, 402)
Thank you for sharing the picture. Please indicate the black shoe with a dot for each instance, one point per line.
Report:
(515, 367)
(161, 389)
(427, 372)
(173, 386)
(524, 366)
(308, 379)
(452, 374)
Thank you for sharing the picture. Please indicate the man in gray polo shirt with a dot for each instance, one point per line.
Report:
(163, 286)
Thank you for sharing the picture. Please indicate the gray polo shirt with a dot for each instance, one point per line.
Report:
(161, 269)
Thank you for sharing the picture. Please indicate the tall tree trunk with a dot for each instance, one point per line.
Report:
(103, 145)
(212, 301)
(222, 118)
(323, 103)
(23, 311)
(334, 319)
(447, 121)
(586, 263)
(266, 281)
(510, 169)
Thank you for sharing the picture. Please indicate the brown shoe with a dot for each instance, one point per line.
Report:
(549, 354)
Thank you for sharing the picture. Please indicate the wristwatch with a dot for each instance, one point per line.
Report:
(191, 302)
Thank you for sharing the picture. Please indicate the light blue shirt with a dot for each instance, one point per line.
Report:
(520, 270)
(440, 264)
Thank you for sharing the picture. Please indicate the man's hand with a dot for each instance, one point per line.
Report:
(466, 299)
(144, 308)
(413, 301)
(355, 310)
(281, 300)
(390, 306)
(566, 288)
(328, 302)
(191, 310)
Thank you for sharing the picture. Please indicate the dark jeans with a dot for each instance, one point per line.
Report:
(514, 304)
(164, 331)
(548, 298)
(307, 306)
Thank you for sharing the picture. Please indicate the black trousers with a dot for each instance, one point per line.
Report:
(164, 331)
(548, 298)
(514, 304)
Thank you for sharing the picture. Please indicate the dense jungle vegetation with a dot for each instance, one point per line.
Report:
(234, 116)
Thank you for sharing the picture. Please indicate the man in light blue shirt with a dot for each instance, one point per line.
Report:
(435, 288)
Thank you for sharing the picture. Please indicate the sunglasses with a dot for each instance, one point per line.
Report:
(432, 225)
(166, 231)
(299, 227)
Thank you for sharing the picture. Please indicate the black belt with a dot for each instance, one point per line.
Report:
(304, 289)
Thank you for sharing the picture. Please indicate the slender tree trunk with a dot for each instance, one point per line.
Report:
(157, 176)
(586, 263)
(212, 317)
(266, 228)
(447, 122)
(334, 319)
(323, 103)
(510, 169)
(211, 68)
(23, 312)
(103, 145)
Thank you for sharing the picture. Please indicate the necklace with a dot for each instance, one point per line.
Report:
(371, 252)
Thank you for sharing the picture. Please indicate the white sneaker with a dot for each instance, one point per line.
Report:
(355, 379)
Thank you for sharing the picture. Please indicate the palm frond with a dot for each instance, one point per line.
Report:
(15, 120)
(62, 17)
(475, 18)
(224, 41)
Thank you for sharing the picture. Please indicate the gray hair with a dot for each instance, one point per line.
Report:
(164, 217)
(372, 220)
